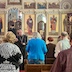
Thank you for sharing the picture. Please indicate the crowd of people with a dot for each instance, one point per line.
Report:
(16, 50)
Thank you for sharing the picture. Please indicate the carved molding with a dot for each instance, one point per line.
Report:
(2, 12)
(66, 11)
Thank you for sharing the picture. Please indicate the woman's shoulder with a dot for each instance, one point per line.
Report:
(42, 41)
(8, 44)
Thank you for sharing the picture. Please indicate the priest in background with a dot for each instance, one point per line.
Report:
(21, 43)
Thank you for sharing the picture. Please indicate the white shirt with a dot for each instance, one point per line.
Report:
(61, 45)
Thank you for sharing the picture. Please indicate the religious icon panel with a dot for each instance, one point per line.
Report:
(53, 24)
(53, 5)
(67, 22)
(14, 2)
(29, 23)
(29, 5)
(14, 20)
(41, 5)
(2, 4)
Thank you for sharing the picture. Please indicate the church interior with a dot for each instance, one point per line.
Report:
(48, 17)
(41, 13)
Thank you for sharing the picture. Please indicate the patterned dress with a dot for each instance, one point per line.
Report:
(10, 57)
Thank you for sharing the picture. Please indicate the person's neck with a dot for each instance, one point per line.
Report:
(50, 42)
(65, 38)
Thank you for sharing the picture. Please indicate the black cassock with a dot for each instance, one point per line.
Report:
(22, 39)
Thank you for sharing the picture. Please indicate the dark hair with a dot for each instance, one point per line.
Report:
(59, 36)
(50, 39)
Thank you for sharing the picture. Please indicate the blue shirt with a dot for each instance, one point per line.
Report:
(36, 49)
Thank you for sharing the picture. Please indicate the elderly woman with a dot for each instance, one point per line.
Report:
(36, 49)
(51, 48)
(10, 55)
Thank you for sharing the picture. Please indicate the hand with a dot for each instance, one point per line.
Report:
(23, 43)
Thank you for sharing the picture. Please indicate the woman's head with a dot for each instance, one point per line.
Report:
(36, 35)
(9, 37)
(50, 39)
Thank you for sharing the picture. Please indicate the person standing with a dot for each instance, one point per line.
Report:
(10, 54)
(36, 49)
(12, 28)
(21, 43)
(62, 44)
(51, 48)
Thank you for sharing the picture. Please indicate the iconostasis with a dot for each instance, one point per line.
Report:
(49, 18)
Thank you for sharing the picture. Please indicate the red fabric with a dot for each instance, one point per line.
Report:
(63, 62)
(22, 71)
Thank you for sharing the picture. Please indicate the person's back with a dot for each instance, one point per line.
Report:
(67, 59)
(36, 49)
(51, 48)
(49, 57)
(10, 57)
(65, 44)
(63, 62)
(62, 44)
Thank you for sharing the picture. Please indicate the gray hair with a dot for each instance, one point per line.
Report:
(64, 34)
(37, 35)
